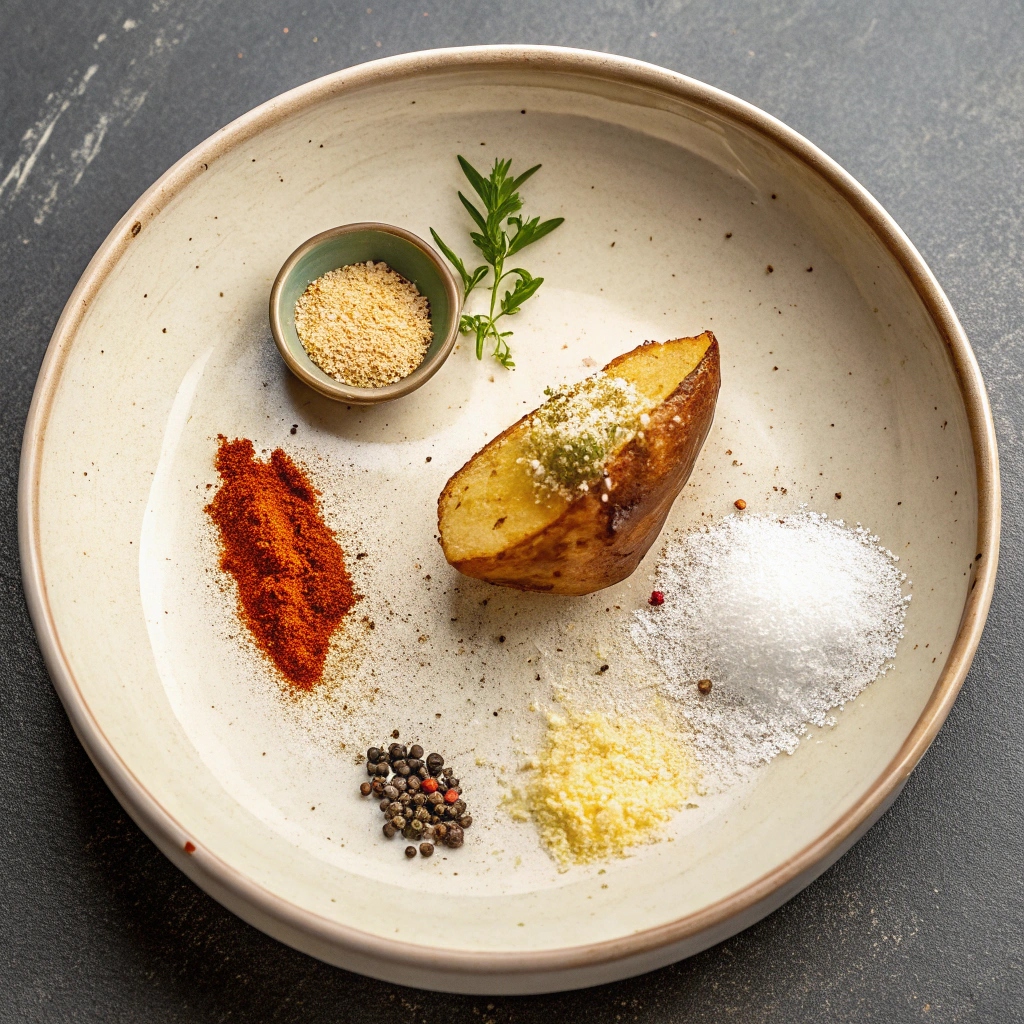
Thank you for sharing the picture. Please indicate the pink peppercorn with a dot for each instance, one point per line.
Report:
(451, 796)
(657, 597)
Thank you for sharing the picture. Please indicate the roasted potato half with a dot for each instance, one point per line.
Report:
(495, 525)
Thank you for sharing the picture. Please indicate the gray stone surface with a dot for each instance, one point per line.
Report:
(922, 100)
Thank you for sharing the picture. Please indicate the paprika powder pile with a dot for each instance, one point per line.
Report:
(293, 588)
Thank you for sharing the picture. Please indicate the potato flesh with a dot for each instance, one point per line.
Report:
(493, 504)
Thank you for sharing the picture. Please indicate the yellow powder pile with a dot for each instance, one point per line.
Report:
(364, 325)
(600, 786)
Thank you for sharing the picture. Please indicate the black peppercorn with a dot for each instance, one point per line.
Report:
(403, 779)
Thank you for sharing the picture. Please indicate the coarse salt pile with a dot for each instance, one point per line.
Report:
(364, 325)
(788, 617)
(599, 786)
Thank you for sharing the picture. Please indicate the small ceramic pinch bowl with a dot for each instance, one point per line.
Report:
(405, 253)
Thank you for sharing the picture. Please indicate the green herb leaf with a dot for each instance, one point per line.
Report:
(524, 288)
(531, 231)
(478, 275)
(452, 259)
(477, 216)
(467, 324)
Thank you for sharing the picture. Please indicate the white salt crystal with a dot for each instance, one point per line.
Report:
(788, 617)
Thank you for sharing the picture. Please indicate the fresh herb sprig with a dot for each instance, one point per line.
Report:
(502, 233)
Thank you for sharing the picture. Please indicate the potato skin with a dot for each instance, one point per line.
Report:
(596, 544)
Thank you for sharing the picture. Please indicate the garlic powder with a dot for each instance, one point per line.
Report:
(364, 325)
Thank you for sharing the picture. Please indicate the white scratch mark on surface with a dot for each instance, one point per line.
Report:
(84, 155)
(34, 141)
(72, 130)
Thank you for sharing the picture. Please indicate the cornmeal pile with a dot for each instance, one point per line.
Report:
(364, 325)
(600, 786)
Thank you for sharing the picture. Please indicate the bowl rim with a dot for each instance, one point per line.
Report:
(278, 915)
(301, 365)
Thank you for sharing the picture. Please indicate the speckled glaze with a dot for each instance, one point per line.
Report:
(847, 383)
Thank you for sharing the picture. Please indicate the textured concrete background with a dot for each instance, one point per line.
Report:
(922, 101)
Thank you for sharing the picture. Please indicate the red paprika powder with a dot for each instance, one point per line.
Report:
(293, 588)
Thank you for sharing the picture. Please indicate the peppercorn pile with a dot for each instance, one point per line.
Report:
(420, 798)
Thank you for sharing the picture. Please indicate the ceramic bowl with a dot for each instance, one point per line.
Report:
(847, 385)
(405, 253)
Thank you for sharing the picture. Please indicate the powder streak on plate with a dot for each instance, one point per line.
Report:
(789, 618)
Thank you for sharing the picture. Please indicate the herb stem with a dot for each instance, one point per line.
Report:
(502, 203)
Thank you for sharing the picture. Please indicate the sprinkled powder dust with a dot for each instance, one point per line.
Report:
(789, 618)
(364, 325)
(599, 786)
(572, 434)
